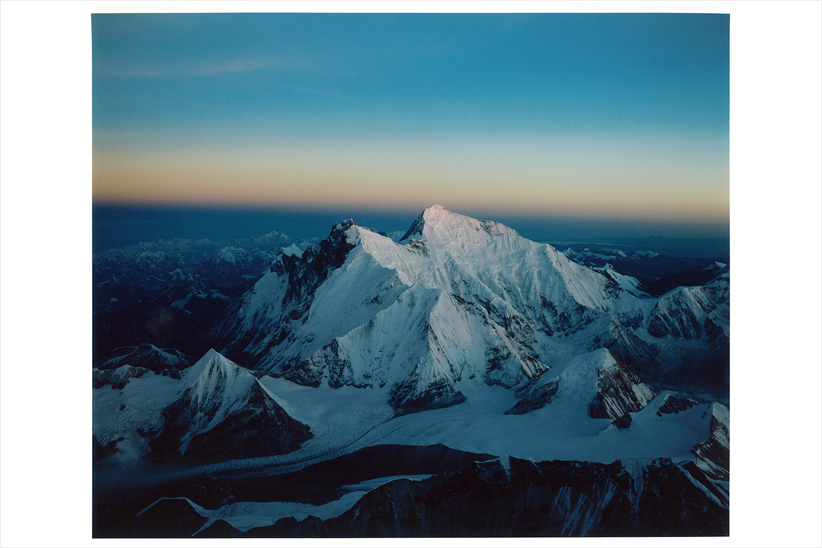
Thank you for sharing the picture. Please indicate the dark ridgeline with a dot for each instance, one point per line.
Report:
(468, 495)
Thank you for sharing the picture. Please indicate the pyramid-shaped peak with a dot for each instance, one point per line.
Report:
(438, 211)
(437, 214)
(214, 362)
(437, 220)
(210, 356)
(225, 412)
(436, 207)
(214, 372)
(212, 359)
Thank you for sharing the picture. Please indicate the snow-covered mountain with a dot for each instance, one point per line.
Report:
(657, 273)
(599, 379)
(713, 455)
(454, 298)
(167, 361)
(596, 402)
(169, 293)
(117, 377)
(701, 312)
(224, 411)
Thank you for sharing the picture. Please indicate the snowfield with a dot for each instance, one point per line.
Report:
(346, 419)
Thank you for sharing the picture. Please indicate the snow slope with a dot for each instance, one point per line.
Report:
(347, 418)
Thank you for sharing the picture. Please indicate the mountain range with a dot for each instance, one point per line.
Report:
(560, 390)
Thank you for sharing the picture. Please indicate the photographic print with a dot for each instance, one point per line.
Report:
(410, 275)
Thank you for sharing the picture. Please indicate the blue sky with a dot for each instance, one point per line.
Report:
(575, 115)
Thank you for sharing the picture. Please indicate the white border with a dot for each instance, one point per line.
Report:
(46, 249)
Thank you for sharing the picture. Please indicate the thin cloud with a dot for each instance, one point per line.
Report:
(211, 67)
(315, 91)
(218, 67)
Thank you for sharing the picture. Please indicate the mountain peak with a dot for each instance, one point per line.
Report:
(437, 212)
(444, 223)
(225, 411)
(216, 373)
(344, 225)
(431, 215)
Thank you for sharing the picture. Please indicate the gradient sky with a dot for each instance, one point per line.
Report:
(576, 115)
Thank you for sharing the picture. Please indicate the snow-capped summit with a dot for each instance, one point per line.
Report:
(456, 298)
(224, 411)
(219, 387)
(438, 223)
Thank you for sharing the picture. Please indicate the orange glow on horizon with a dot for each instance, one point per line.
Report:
(527, 178)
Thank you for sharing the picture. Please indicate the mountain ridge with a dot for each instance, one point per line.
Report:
(458, 334)
(318, 315)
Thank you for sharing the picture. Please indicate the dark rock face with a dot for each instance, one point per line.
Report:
(623, 422)
(536, 395)
(307, 272)
(713, 460)
(716, 448)
(620, 392)
(251, 424)
(219, 529)
(405, 398)
(416, 228)
(103, 450)
(261, 428)
(673, 506)
(633, 351)
(674, 405)
(514, 498)
(304, 274)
